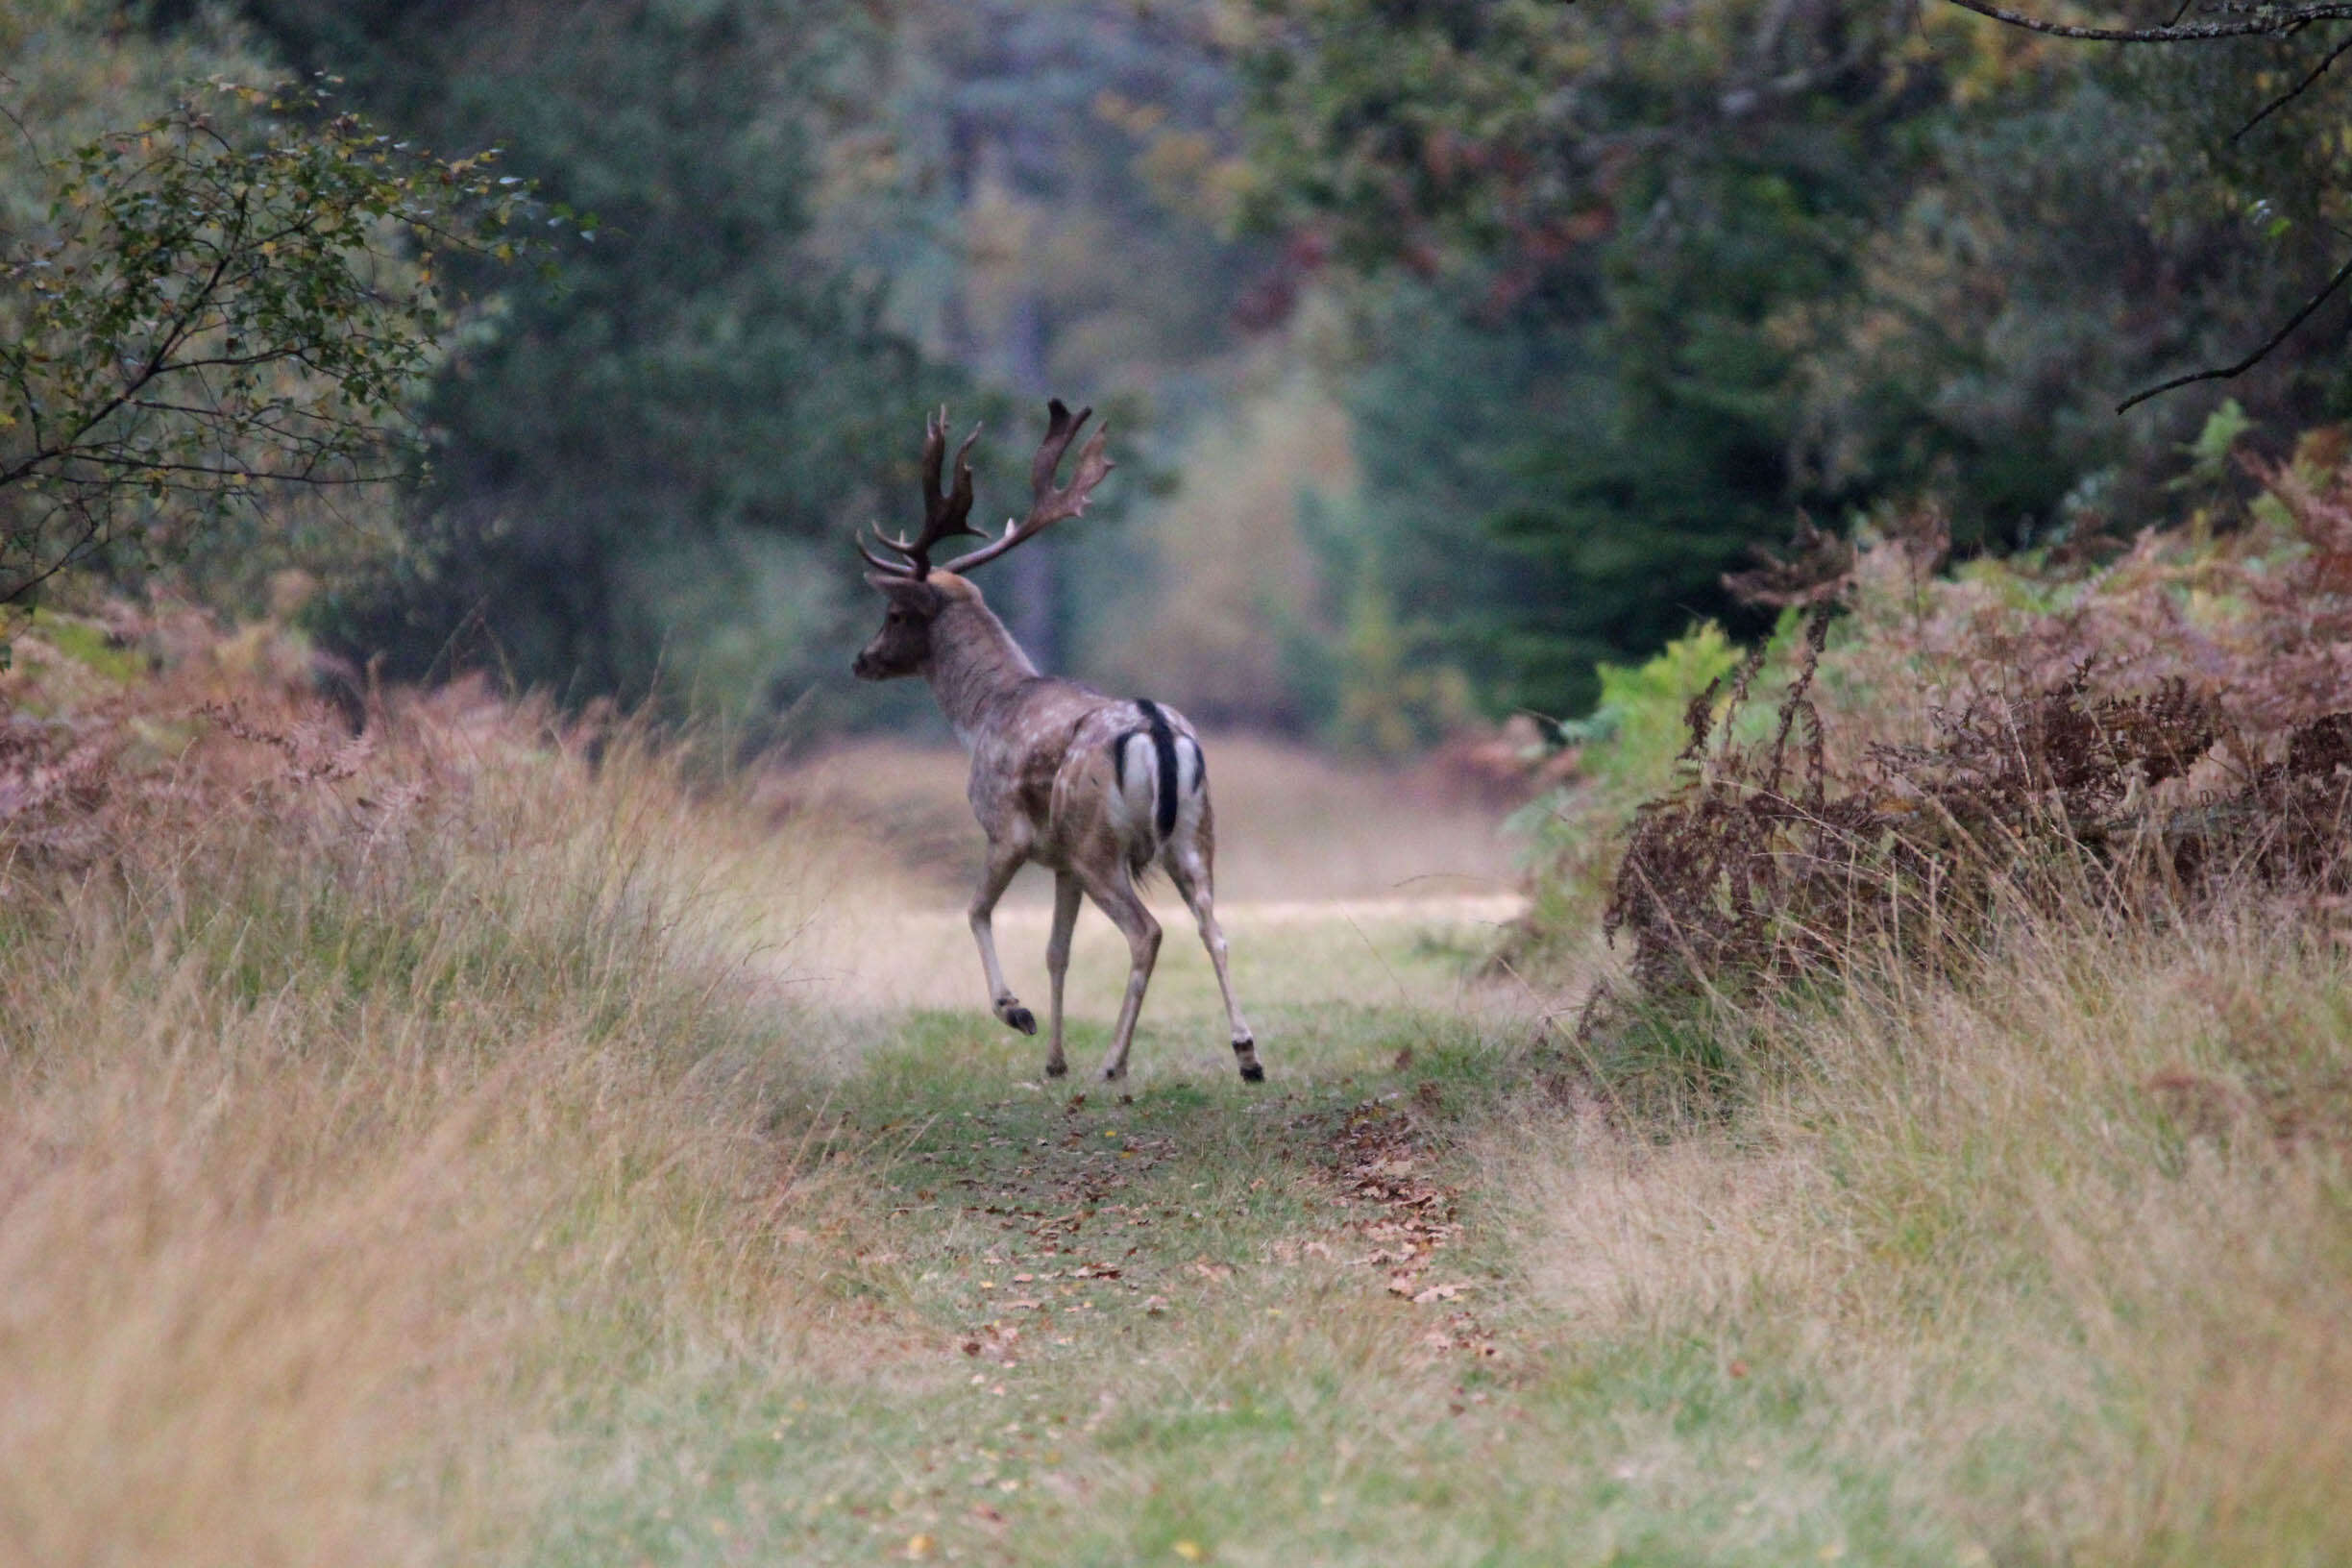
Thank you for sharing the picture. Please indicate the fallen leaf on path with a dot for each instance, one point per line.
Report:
(1382, 1162)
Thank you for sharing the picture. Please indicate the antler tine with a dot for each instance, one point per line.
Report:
(894, 569)
(1050, 505)
(946, 513)
(1060, 428)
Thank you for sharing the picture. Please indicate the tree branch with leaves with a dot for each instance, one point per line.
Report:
(232, 300)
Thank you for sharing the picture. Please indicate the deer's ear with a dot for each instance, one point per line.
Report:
(919, 597)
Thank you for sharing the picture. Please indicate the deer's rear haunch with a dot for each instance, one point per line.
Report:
(1097, 789)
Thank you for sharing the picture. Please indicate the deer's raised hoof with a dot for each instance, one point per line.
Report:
(1017, 1017)
(1245, 1052)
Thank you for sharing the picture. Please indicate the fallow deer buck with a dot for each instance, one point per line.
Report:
(1097, 789)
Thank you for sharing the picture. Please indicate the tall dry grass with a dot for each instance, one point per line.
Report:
(367, 1105)
(2067, 1240)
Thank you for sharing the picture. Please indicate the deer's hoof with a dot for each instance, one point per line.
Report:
(1253, 1074)
(1057, 1070)
(1019, 1018)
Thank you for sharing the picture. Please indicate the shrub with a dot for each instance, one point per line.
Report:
(2139, 740)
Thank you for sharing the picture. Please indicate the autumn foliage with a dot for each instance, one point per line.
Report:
(2150, 738)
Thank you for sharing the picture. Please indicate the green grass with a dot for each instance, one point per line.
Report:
(1174, 1349)
(1202, 1361)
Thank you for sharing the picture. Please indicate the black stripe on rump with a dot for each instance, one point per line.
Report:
(1164, 742)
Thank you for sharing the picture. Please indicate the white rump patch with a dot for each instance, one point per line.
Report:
(1135, 792)
(1187, 767)
(1191, 778)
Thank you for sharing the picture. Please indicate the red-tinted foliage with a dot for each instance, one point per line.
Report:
(2174, 730)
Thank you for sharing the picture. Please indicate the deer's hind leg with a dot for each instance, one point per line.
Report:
(1188, 868)
(1003, 862)
(1114, 893)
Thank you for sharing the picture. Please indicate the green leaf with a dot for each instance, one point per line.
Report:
(2210, 452)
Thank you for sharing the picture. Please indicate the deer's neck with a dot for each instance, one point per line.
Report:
(975, 664)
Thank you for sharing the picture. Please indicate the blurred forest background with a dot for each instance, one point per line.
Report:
(1451, 348)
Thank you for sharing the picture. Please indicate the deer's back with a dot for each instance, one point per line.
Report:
(1042, 770)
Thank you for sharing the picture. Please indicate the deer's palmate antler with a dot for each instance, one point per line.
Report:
(946, 513)
(1049, 506)
(1098, 790)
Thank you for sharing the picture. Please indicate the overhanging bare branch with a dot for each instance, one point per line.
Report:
(2224, 372)
(2267, 22)
(2297, 92)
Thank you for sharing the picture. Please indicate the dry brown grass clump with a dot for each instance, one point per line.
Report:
(1762, 867)
(363, 1096)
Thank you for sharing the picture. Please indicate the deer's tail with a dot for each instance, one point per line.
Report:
(1160, 776)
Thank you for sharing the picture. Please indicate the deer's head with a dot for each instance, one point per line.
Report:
(903, 644)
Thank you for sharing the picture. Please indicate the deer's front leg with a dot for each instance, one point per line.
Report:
(1057, 963)
(1003, 862)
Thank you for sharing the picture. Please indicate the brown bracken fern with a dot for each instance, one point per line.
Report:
(1767, 866)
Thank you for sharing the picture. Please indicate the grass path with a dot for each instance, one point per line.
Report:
(1094, 1331)
(1271, 1325)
